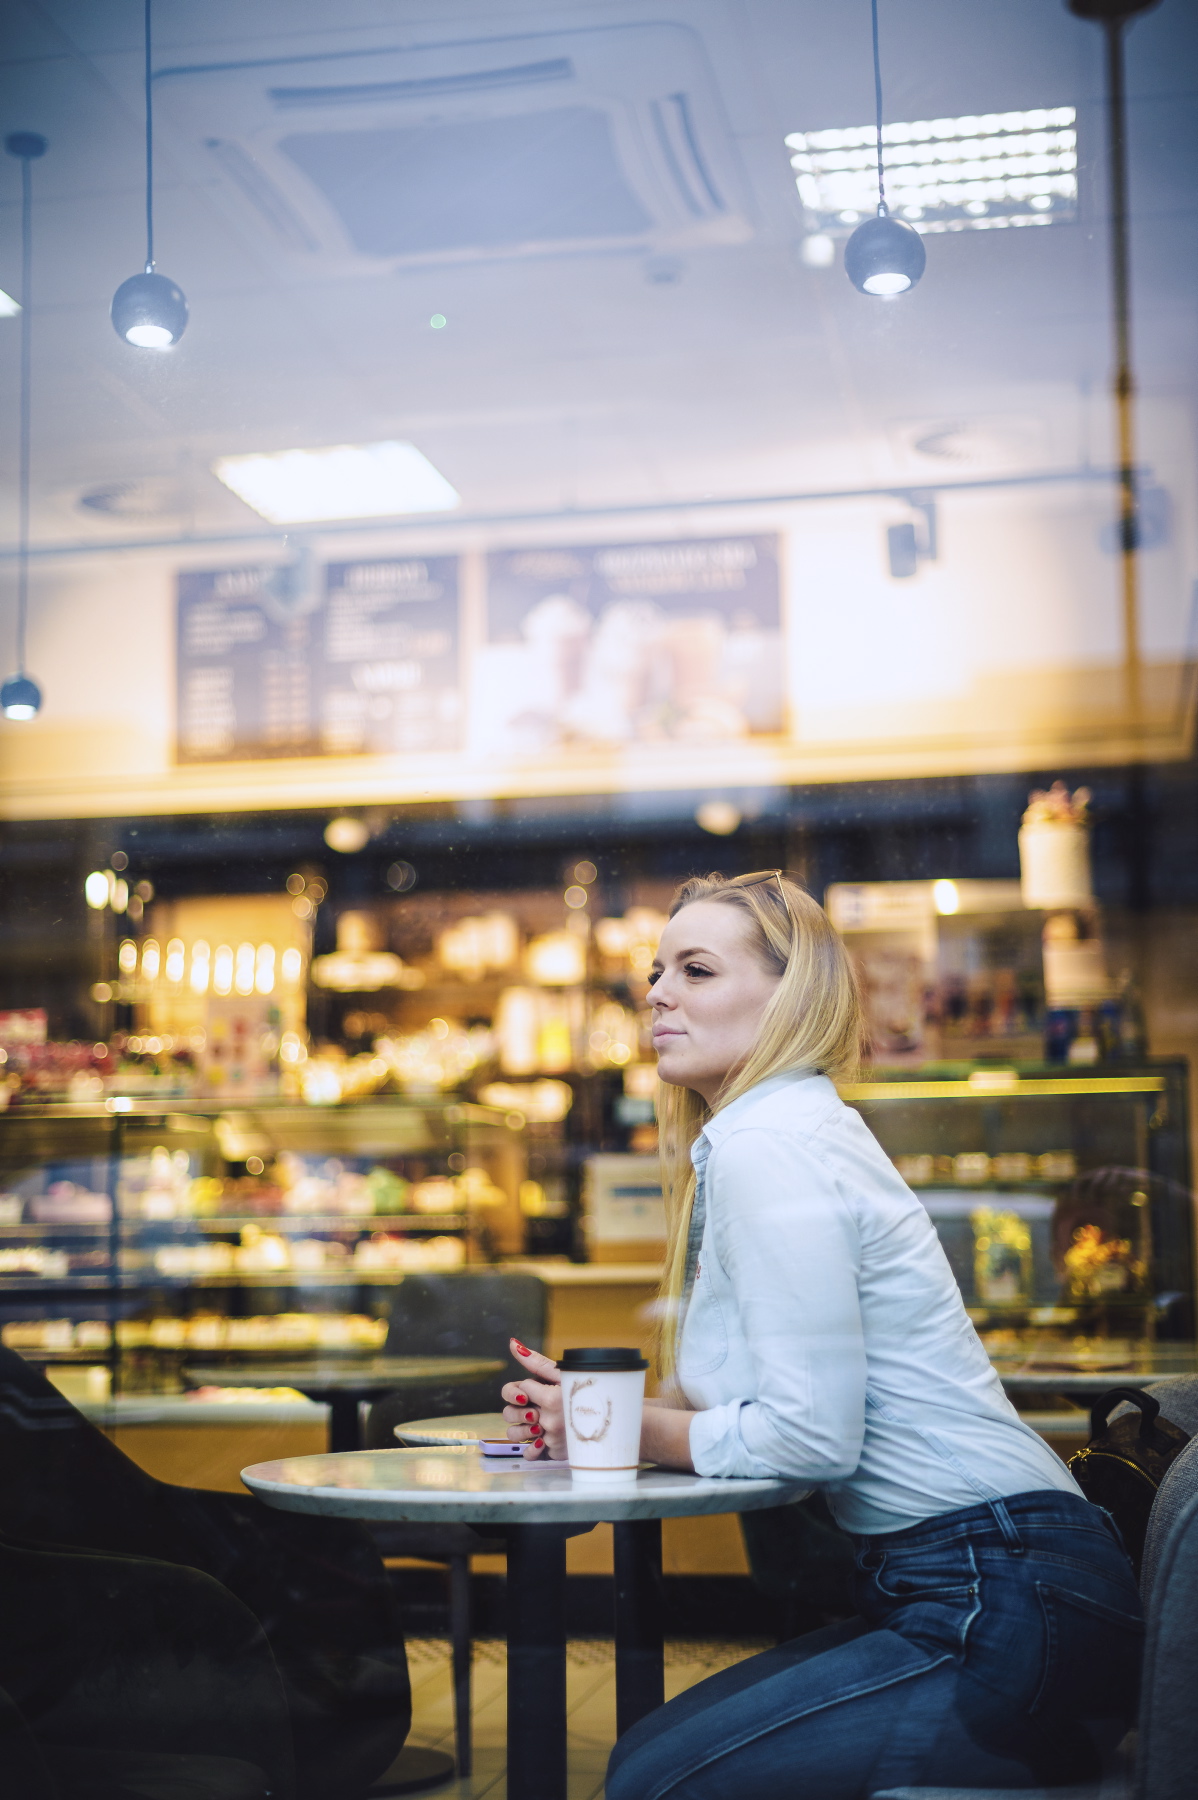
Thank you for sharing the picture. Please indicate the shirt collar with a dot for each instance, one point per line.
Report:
(729, 1117)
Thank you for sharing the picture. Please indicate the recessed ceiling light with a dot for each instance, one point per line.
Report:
(9, 308)
(970, 174)
(345, 481)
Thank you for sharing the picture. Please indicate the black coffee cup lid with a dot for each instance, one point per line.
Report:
(603, 1360)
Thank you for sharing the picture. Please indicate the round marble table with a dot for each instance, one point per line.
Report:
(344, 1385)
(537, 1506)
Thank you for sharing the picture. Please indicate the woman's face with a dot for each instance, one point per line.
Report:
(709, 991)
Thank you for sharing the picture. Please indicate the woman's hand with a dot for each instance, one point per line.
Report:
(533, 1405)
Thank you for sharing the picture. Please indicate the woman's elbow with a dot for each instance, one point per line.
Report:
(806, 1456)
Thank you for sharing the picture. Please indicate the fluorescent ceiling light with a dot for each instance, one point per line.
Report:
(345, 481)
(968, 174)
(9, 308)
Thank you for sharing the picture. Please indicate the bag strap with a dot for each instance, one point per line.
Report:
(1149, 1408)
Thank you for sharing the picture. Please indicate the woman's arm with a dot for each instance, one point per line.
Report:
(786, 1239)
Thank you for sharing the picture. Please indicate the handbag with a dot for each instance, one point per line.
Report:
(1125, 1461)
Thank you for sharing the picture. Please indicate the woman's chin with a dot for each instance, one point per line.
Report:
(672, 1069)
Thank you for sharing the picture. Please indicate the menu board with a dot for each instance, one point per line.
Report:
(643, 643)
(283, 662)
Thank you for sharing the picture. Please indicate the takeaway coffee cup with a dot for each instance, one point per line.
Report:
(603, 1396)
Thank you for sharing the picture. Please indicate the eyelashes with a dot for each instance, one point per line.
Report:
(655, 975)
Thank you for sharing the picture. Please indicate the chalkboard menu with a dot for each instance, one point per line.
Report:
(612, 644)
(289, 662)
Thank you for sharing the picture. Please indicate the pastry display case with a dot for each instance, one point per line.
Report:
(135, 1237)
(1061, 1197)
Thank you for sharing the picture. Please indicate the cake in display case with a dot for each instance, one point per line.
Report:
(1062, 1200)
(135, 1240)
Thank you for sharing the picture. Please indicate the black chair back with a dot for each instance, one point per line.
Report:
(472, 1312)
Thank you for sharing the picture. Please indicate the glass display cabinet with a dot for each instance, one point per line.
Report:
(1062, 1200)
(136, 1237)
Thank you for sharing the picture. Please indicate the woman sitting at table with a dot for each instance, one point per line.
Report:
(817, 1334)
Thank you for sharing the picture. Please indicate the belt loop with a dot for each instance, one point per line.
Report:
(1006, 1526)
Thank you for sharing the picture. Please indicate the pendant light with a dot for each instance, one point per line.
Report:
(148, 310)
(884, 257)
(20, 696)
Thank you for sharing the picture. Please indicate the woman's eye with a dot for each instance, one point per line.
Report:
(654, 975)
(696, 969)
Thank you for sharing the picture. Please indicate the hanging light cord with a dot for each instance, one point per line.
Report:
(150, 152)
(883, 209)
(24, 430)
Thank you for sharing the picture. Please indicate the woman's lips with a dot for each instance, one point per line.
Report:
(665, 1032)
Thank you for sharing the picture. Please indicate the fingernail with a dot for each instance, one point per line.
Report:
(521, 1399)
(521, 1348)
(538, 1443)
(530, 1417)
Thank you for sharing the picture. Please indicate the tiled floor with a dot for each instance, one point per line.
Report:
(591, 1704)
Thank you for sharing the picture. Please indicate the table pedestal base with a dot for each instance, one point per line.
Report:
(639, 1626)
(536, 1661)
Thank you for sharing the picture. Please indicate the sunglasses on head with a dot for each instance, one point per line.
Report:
(766, 875)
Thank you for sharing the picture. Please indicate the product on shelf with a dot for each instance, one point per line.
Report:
(1054, 850)
(974, 1166)
(1097, 1266)
(204, 1331)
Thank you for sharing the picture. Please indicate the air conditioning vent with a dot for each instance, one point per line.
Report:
(555, 142)
(530, 178)
(375, 93)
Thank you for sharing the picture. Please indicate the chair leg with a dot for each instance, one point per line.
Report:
(460, 1631)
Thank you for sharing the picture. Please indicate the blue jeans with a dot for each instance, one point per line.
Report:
(998, 1646)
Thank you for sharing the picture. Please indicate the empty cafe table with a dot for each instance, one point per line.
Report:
(537, 1507)
(344, 1385)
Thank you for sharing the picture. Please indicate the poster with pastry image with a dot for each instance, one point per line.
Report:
(623, 644)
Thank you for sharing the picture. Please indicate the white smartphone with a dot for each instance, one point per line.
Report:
(500, 1447)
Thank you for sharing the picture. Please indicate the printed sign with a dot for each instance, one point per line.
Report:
(630, 644)
(277, 662)
(388, 677)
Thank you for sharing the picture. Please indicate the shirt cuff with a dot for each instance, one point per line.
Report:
(718, 1449)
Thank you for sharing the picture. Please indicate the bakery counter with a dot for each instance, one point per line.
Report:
(596, 1303)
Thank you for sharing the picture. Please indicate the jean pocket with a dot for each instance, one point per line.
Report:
(1092, 1657)
(922, 1574)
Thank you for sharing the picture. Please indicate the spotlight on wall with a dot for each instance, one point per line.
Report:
(148, 310)
(914, 541)
(884, 256)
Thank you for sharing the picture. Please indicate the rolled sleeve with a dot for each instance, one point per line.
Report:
(788, 1245)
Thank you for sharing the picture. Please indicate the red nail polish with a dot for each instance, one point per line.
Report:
(530, 1417)
(521, 1399)
(538, 1443)
(521, 1348)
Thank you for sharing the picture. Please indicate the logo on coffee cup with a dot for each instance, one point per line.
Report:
(589, 1416)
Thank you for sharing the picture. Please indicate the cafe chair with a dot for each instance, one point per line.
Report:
(1163, 1764)
(467, 1313)
(125, 1676)
(315, 1588)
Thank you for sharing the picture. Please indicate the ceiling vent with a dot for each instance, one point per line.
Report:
(599, 139)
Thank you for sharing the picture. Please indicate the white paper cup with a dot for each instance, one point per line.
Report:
(603, 1398)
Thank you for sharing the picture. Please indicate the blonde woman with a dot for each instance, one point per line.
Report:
(814, 1330)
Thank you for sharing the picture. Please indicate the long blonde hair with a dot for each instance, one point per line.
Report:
(813, 1020)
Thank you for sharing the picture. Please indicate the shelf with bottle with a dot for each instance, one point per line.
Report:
(1061, 1197)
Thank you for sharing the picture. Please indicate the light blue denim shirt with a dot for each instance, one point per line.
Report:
(825, 1338)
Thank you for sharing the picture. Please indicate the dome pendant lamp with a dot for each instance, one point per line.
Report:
(20, 696)
(884, 257)
(148, 310)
